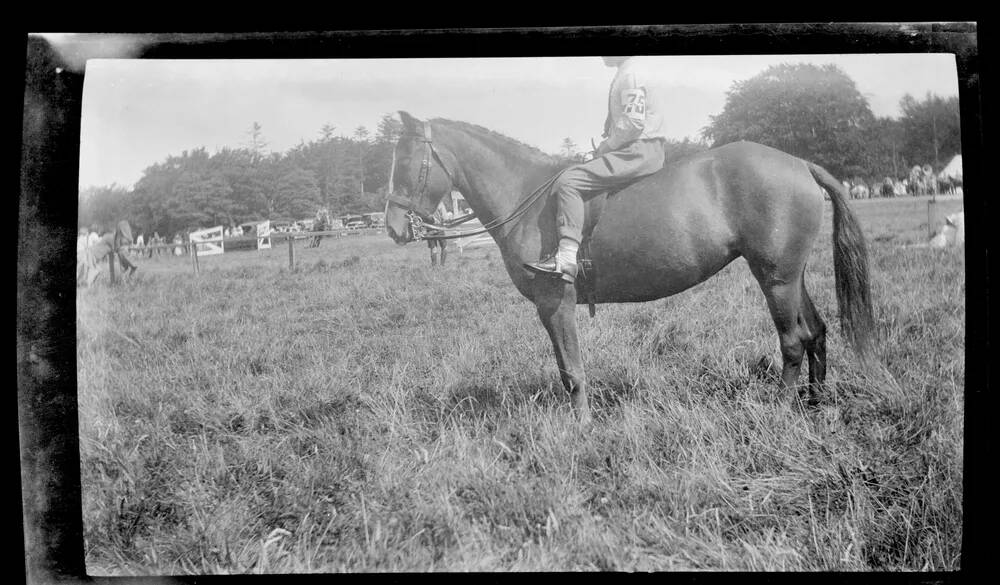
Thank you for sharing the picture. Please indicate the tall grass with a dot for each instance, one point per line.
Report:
(363, 412)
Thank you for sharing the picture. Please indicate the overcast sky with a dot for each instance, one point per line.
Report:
(136, 112)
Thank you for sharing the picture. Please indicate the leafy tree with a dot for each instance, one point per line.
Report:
(676, 150)
(932, 129)
(361, 137)
(257, 144)
(814, 112)
(104, 206)
(297, 194)
(389, 129)
(884, 142)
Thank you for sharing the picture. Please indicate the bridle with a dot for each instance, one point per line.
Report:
(418, 227)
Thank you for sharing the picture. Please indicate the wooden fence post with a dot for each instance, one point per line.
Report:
(193, 250)
(291, 251)
(111, 267)
(930, 228)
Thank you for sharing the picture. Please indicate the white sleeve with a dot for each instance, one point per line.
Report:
(630, 117)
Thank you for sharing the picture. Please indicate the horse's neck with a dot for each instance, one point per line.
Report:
(492, 186)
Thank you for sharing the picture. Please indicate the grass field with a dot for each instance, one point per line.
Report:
(363, 412)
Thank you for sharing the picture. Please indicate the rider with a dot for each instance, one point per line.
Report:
(632, 148)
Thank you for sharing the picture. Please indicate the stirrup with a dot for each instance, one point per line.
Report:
(550, 267)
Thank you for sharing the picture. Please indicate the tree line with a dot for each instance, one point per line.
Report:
(344, 174)
(818, 113)
(814, 112)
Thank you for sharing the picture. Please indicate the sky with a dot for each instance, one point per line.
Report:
(137, 112)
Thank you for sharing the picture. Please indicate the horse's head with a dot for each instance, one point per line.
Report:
(418, 180)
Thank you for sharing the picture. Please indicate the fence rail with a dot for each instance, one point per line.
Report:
(290, 237)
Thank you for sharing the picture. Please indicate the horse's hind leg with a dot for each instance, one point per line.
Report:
(815, 345)
(784, 300)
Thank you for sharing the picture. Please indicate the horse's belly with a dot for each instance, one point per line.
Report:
(651, 245)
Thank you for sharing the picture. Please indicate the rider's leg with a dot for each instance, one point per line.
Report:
(583, 181)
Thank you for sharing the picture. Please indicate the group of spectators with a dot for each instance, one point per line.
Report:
(93, 246)
(155, 245)
(920, 181)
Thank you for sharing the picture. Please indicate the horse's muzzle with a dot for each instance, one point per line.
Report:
(400, 239)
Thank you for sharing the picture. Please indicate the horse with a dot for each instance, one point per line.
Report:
(655, 238)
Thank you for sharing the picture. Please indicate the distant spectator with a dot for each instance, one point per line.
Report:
(917, 184)
(441, 215)
(93, 236)
(320, 225)
(887, 190)
(930, 180)
(123, 240)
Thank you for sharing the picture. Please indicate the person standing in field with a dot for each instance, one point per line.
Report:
(109, 243)
(123, 233)
(441, 215)
(319, 225)
(633, 147)
(93, 236)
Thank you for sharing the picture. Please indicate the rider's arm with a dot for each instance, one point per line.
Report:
(627, 116)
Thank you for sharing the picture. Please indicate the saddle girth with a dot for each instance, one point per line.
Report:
(586, 278)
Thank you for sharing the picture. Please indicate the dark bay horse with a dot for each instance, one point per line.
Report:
(655, 238)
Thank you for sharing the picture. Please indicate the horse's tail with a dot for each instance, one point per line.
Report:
(850, 267)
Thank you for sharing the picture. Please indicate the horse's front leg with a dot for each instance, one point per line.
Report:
(556, 304)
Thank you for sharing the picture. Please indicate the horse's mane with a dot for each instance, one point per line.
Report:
(512, 146)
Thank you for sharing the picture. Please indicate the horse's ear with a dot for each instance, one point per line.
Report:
(410, 123)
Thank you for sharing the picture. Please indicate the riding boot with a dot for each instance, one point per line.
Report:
(444, 254)
(434, 259)
(551, 266)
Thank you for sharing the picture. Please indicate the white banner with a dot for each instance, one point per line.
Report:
(264, 235)
(208, 241)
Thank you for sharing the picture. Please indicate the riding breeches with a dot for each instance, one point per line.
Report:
(604, 173)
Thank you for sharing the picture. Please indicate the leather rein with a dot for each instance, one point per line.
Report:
(419, 228)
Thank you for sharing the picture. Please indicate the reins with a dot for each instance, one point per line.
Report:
(520, 210)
